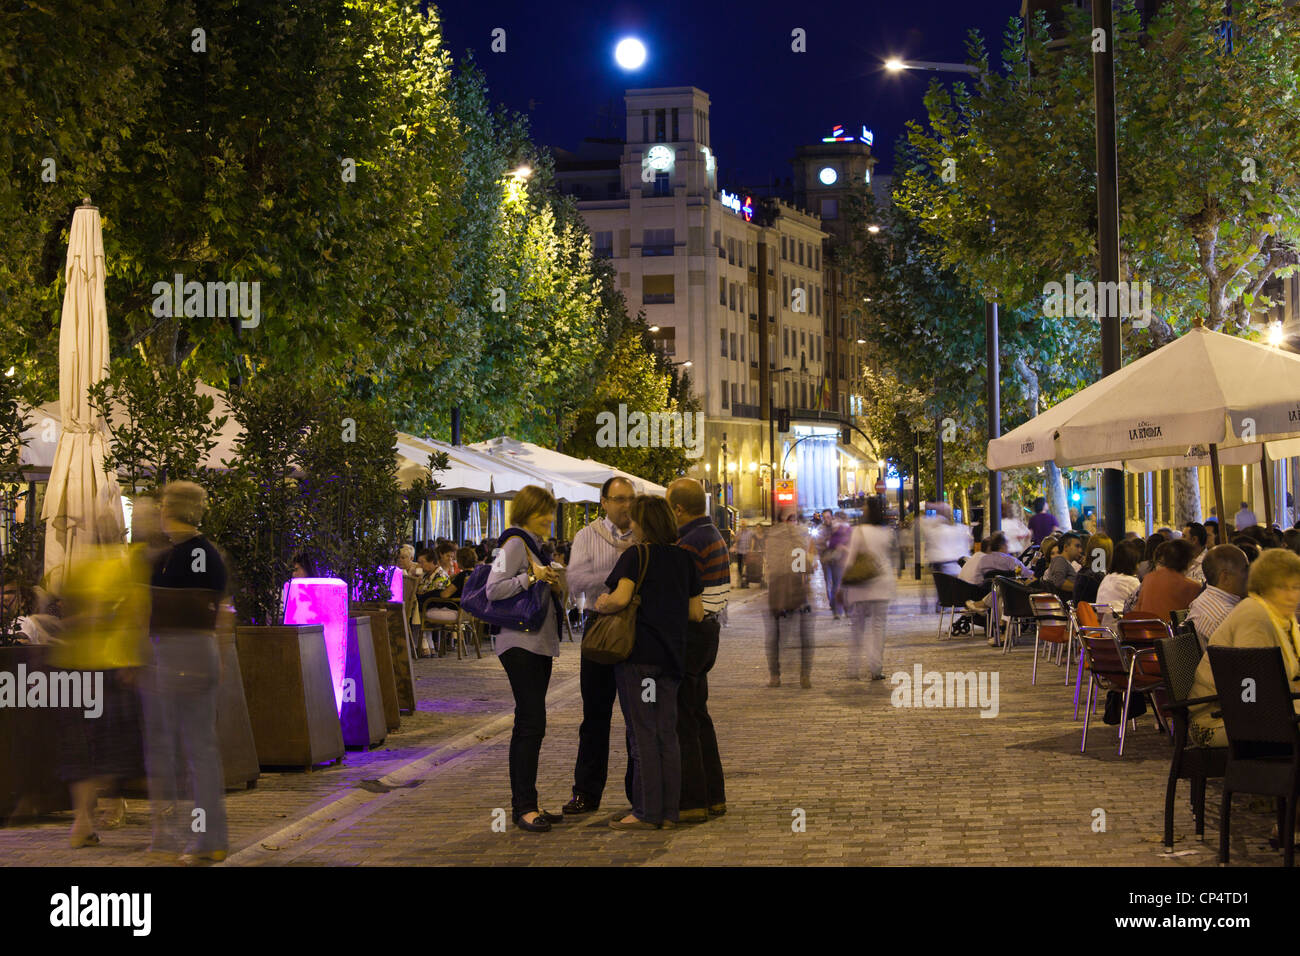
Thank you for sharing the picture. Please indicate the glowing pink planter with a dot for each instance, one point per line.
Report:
(322, 601)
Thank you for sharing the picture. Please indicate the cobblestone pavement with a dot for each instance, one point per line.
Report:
(872, 783)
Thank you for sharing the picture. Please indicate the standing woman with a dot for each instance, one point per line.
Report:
(671, 594)
(870, 599)
(527, 655)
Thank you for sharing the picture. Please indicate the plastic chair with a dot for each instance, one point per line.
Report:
(1179, 657)
(1053, 626)
(1263, 739)
(953, 594)
(1015, 606)
(1114, 667)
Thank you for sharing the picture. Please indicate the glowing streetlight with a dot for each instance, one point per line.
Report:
(873, 229)
(1275, 336)
(522, 172)
(894, 64)
(630, 53)
(653, 329)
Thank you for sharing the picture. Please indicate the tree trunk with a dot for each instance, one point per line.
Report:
(1187, 496)
(1058, 503)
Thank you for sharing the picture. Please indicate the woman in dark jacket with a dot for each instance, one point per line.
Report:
(671, 593)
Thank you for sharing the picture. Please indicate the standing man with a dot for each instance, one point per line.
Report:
(1042, 523)
(835, 548)
(703, 792)
(744, 541)
(1245, 518)
(596, 549)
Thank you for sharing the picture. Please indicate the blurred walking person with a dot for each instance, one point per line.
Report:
(703, 788)
(648, 681)
(785, 566)
(180, 694)
(596, 549)
(869, 599)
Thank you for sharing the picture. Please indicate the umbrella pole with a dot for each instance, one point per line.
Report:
(1218, 492)
(1266, 479)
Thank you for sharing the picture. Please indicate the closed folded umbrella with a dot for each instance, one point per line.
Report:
(83, 504)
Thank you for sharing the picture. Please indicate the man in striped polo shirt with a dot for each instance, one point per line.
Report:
(703, 792)
(596, 549)
(1226, 569)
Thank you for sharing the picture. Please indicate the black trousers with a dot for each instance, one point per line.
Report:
(702, 784)
(530, 675)
(599, 691)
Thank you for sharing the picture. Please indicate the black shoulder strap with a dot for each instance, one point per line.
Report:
(528, 542)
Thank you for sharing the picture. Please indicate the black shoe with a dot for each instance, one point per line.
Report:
(579, 804)
(538, 824)
(549, 817)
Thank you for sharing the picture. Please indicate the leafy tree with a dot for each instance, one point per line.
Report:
(19, 562)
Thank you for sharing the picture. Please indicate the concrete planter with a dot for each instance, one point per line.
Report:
(362, 716)
(379, 622)
(290, 695)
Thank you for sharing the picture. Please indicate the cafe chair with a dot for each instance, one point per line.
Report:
(1263, 739)
(1013, 601)
(454, 623)
(1113, 666)
(953, 595)
(1053, 626)
(1179, 657)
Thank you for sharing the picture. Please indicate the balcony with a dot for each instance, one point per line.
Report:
(816, 415)
(665, 249)
(739, 410)
(664, 298)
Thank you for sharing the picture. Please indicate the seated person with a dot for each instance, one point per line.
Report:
(1265, 618)
(436, 570)
(996, 560)
(444, 604)
(1226, 570)
(1061, 573)
(1122, 581)
(1097, 556)
(1046, 552)
(970, 569)
(1167, 588)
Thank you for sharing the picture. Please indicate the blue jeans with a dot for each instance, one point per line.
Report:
(833, 571)
(653, 749)
(179, 694)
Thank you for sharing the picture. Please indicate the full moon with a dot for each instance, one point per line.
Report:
(630, 53)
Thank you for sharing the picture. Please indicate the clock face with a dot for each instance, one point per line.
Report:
(659, 157)
(828, 176)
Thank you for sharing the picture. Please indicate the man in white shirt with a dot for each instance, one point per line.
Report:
(596, 548)
(1245, 518)
(1195, 535)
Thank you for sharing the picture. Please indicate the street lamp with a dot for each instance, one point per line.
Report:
(522, 172)
(993, 385)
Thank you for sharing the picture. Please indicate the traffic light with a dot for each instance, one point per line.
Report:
(783, 420)
(846, 436)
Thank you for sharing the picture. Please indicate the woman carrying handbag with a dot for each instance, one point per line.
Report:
(664, 583)
(868, 587)
(527, 655)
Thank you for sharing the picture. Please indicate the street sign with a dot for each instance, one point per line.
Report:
(880, 486)
(785, 493)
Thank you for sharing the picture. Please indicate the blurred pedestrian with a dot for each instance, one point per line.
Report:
(180, 699)
(786, 568)
(869, 599)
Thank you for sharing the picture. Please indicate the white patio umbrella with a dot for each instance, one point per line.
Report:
(575, 470)
(1203, 389)
(82, 501)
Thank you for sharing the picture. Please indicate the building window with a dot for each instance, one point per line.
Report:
(732, 297)
(785, 336)
(734, 391)
(722, 291)
(724, 343)
(665, 338)
(785, 292)
(803, 394)
(771, 259)
(733, 344)
(803, 342)
(731, 251)
(675, 136)
(819, 300)
(645, 126)
(602, 244)
(801, 252)
(657, 290)
(783, 255)
(663, 187)
(724, 393)
(830, 209)
(661, 130)
(657, 242)
(787, 394)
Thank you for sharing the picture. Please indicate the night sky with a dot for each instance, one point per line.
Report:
(765, 99)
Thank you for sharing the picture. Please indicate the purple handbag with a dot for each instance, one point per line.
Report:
(525, 611)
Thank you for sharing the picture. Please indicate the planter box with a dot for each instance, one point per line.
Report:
(234, 729)
(29, 746)
(290, 695)
(379, 622)
(362, 716)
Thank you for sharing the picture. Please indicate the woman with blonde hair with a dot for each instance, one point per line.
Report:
(1264, 618)
(527, 656)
